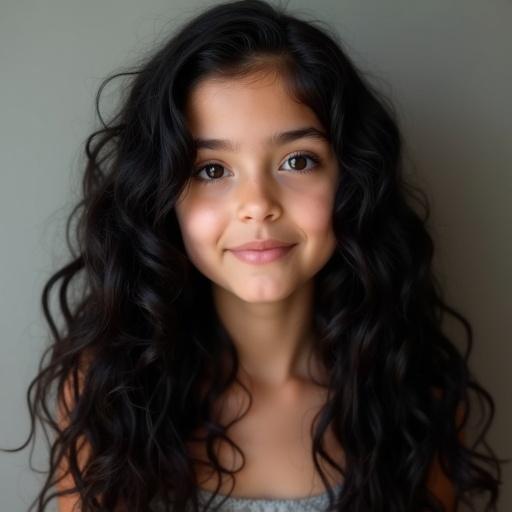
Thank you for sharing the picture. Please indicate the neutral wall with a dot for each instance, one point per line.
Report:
(445, 64)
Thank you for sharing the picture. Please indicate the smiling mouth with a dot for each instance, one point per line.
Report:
(262, 256)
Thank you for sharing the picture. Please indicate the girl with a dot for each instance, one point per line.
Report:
(258, 325)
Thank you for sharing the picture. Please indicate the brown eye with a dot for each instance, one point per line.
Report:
(298, 161)
(213, 171)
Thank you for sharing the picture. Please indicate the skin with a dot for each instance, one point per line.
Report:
(258, 193)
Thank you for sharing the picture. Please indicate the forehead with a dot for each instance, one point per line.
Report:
(247, 109)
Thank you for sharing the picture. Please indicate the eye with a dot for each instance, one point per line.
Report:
(214, 171)
(299, 158)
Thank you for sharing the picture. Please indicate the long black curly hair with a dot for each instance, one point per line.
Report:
(142, 373)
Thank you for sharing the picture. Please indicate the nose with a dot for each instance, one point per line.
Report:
(257, 199)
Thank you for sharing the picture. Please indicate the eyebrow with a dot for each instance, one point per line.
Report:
(309, 132)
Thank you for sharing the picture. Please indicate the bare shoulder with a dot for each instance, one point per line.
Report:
(66, 403)
(437, 481)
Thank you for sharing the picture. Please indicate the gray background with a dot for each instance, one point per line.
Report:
(445, 64)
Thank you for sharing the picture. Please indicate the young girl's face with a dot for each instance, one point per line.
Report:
(252, 187)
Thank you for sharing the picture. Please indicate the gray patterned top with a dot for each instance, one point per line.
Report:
(315, 503)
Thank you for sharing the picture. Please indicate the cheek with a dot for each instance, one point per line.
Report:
(200, 227)
(314, 218)
(315, 212)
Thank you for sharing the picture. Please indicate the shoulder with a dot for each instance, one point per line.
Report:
(438, 481)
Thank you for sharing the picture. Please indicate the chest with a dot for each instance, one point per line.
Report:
(275, 438)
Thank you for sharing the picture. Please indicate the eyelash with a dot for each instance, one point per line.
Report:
(208, 181)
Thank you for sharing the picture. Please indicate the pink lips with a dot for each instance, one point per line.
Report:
(262, 251)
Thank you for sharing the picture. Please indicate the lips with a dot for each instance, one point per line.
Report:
(258, 257)
(261, 245)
